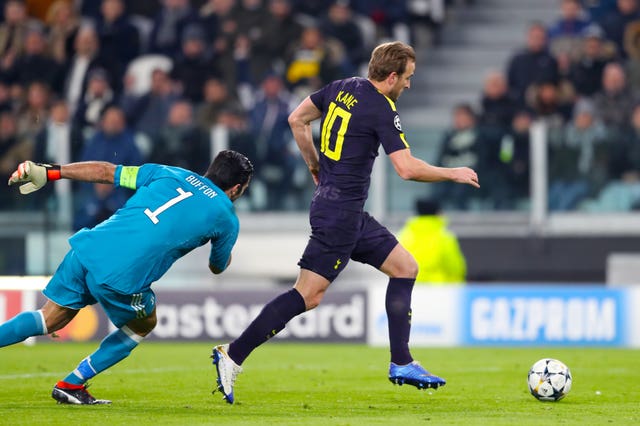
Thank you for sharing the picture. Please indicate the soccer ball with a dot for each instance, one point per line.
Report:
(549, 380)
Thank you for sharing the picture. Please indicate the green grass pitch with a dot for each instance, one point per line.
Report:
(303, 384)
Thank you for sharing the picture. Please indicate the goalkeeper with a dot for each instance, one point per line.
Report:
(172, 212)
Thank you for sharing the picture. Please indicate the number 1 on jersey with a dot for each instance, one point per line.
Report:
(153, 215)
(328, 130)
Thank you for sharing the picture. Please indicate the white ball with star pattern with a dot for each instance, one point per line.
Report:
(549, 380)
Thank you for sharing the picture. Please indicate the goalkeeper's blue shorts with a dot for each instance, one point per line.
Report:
(74, 287)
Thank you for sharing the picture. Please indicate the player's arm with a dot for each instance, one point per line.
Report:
(34, 176)
(222, 243)
(300, 121)
(89, 171)
(409, 167)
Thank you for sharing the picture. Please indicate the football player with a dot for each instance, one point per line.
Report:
(115, 263)
(357, 116)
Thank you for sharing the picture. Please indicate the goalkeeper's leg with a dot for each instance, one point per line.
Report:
(113, 349)
(50, 318)
(22, 326)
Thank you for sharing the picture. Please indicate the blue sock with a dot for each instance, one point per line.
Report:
(113, 349)
(271, 320)
(398, 306)
(21, 326)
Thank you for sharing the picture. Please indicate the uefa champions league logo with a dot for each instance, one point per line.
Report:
(396, 122)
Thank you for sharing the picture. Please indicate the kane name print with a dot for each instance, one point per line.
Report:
(346, 98)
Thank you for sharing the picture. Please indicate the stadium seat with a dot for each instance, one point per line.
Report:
(142, 67)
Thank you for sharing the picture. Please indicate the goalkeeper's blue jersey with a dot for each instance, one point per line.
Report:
(172, 212)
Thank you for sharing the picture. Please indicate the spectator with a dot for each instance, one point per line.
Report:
(279, 30)
(238, 74)
(310, 9)
(169, 25)
(30, 65)
(567, 30)
(251, 17)
(565, 36)
(113, 143)
(614, 102)
(552, 104)
(62, 24)
(531, 65)
(339, 24)
(147, 8)
(497, 105)
(227, 15)
(59, 142)
(97, 98)
(232, 125)
(276, 163)
(119, 39)
(208, 18)
(38, 8)
(6, 101)
(585, 73)
(13, 150)
(220, 19)
(13, 32)
(514, 156)
(149, 112)
(313, 61)
(389, 16)
(549, 104)
(194, 65)
(239, 133)
(435, 248)
(624, 151)
(216, 99)
(615, 23)
(577, 166)
(33, 115)
(180, 142)
(426, 15)
(91, 8)
(85, 59)
(598, 9)
(632, 49)
(230, 40)
(464, 146)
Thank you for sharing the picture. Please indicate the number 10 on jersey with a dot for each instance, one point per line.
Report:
(330, 132)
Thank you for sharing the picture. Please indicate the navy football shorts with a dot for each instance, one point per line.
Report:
(339, 235)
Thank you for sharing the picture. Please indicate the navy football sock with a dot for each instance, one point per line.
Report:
(398, 306)
(269, 322)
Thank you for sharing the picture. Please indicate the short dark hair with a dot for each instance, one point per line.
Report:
(228, 169)
(390, 57)
(465, 108)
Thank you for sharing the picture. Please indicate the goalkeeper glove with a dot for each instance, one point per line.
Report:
(35, 175)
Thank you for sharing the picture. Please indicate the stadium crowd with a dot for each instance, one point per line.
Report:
(150, 79)
(580, 75)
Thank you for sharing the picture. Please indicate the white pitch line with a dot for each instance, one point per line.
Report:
(56, 374)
